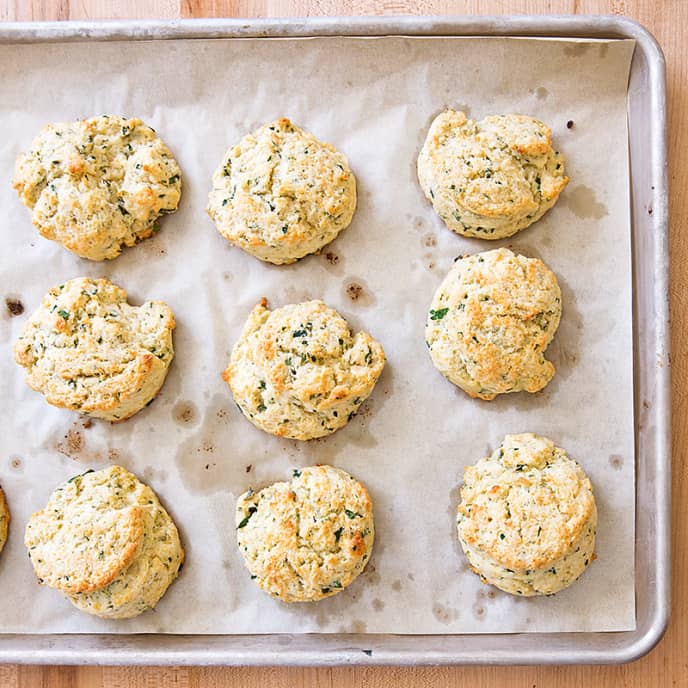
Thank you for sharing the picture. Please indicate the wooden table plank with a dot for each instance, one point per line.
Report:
(668, 663)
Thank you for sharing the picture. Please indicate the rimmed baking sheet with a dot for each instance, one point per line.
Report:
(413, 263)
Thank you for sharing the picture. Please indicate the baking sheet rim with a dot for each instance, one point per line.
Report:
(370, 649)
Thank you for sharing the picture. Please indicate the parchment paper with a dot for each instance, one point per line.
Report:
(374, 99)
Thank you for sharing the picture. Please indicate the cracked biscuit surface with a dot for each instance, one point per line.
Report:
(308, 538)
(527, 517)
(86, 349)
(106, 542)
(97, 184)
(491, 321)
(299, 372)
(492, 178)
(280, 194)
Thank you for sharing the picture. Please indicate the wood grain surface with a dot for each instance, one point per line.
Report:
(667, 665)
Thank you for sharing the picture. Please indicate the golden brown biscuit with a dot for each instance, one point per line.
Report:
(4, 519)
(491, 321)
(492, 178)
(88, 350)
(308, 538)
(105, 541)
(527, 517)
(97, 184)
(299, 372)
(280, 194)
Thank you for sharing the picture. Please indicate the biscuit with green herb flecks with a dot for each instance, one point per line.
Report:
(88, 350)
(491, 321)
(527, 518)
(105, 541)
(280, 194)
(4, 519)
(299, 372)
(308, 538)
(492, 178)
(97, 184)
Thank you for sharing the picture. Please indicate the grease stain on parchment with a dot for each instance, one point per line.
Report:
(74, 445)
(479, 611)
(577, 49)
(616, 461)
(444, 614)
(185, 413)
(581, 201)
(205, 469)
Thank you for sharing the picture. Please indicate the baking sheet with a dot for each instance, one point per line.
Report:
(374, 99)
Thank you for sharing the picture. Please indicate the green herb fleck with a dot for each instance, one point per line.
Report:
(64, 314)
(74, 477)
(251, 510)
(438, 314)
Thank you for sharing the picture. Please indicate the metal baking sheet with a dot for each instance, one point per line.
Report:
(391, 649)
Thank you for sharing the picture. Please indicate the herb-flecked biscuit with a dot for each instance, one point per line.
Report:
(88, 350)
(97, 184)
(492, 178)
(527, 517)
(281, 194)
(105, 541)
(308, 538)
(4, 519)
(490, 322)
(299, 372)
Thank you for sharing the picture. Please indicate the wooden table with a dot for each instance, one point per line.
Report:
(668, 663)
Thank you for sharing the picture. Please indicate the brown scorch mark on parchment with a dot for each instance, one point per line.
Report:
(14, 306)
(357, 291)
(71, 444)
(354, 290)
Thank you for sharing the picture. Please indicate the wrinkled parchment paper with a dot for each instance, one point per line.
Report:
(374, 99)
